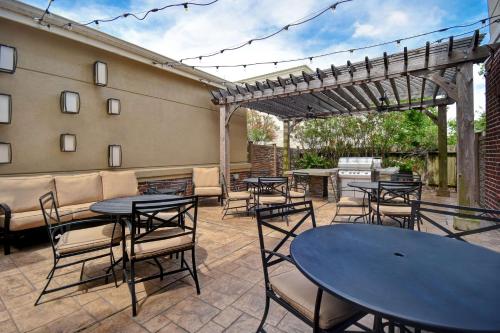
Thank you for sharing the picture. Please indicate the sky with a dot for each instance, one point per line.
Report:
(177, 33)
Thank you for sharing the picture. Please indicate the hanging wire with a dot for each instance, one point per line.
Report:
(300, 21)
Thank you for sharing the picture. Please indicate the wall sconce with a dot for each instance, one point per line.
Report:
(100, 73)
(8, 59)
(70, 102)
(5, 153)
(114, 106)
(114, 156)
(5, 108)
(68, 142)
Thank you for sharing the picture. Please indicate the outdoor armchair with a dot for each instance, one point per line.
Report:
(298, 187)
(348, 206)
(290, 288)
(231, 196)
(206, 183)
(77, 239)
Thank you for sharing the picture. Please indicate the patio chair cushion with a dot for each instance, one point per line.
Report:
(21, 194)
(78, 189)
(82, 211)
(208, 191)
(88, 238)
(301, 293)
(271, 199)
(351, 202)
(296, 194)
(118, 184)
(389, 210)
(243, 195)
(160, 246)
(32, 219)
(206, 177)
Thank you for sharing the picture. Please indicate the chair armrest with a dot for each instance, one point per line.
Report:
(7, 213)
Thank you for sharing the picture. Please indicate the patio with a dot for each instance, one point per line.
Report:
(230, 273)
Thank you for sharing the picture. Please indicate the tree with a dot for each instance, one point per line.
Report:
(479, 126)
(261, 127)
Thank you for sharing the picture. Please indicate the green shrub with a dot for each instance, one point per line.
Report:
(313, 161)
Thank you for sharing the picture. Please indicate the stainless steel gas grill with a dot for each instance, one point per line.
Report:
(354, 169)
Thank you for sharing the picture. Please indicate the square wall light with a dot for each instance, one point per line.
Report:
(5, 108)
(115, 156)
(70, 102)
(8, 59)
(114, 106)
(5, 153)
(100, 73)
(68, 142)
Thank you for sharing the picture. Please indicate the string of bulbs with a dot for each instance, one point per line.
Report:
(308, 18)
(490, 20)
(141, 16)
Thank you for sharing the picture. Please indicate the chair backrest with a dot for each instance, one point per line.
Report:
(405, 177)
(185, 209)
(398, 193)
(300, 181)
(485, 219)
(225, 189)
(155, 187)
(206, 177)
(302, 212)
(51, 217)
(272, 186)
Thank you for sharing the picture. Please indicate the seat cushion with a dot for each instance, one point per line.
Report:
(33, 219)
(243, 195)
(271, 199)
(117, 184)
(389, 210)
(78, 189)
(296, 194)
(82, 211)
(88, 238)
(206, 177)
(158, 247)
(208, 191)
(351, 202)
(301, 293)
(21, 194)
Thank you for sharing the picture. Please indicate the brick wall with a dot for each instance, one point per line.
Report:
(492, 138)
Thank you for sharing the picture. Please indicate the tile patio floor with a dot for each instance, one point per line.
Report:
(230, 273)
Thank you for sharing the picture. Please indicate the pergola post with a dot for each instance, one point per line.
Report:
(286, 145)
(443, 190)
(224, 113)
(466, 167)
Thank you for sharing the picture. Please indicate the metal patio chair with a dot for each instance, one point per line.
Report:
(272, 191)
(160, 187)
(349, 206)
(299, 186)
(77, 238)
(232, 196)
(292, 290)
(405, 177)
(162, 237)
(394, 201)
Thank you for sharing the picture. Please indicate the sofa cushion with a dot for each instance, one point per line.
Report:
(206, 177)
(207, 191)
(117, 184)
(32, 219)
(21, 194)
(81, 211)
(77, 189)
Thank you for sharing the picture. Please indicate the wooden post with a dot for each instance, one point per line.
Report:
(286, 145)
(466, 167)
(275, 161)
(443, 190)
(224, 143)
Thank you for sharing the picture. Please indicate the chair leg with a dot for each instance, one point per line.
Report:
(264, 317)
(131, 285)
(47, 284)
(159, 267)
(6, 241)
(195, 274)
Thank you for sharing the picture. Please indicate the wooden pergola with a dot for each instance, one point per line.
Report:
(437, 74)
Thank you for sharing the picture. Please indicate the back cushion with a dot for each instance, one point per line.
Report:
(116, 184)
(77, 189)
(206, 177)
(22, 193)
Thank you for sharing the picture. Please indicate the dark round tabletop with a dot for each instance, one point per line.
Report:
(123, 206)
(364, 185)
(419, 278)
(255, 181)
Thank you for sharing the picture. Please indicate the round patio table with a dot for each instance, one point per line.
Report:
(365, 186)
(254, 181)
(123, 206)
(414, 278)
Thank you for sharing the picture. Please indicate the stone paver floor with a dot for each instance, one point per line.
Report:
(230, 273)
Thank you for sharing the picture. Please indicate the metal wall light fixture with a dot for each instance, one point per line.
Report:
(5, 153)
(114, 156)
(100, 73)
(70, 102)
(5, 108)
(8, 59)
(114, 106)
(68, 142)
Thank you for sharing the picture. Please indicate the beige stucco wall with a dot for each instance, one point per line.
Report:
(166, 121)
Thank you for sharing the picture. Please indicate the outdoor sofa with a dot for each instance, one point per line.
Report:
(19, 198)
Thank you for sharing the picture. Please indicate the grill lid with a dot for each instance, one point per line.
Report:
(356, 163)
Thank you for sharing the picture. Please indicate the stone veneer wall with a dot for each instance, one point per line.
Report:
(492, 138)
